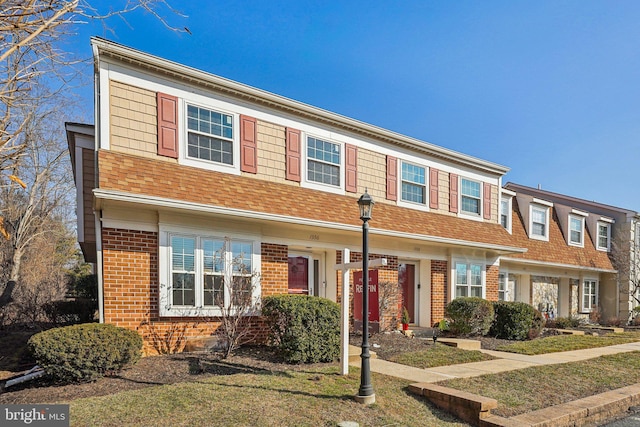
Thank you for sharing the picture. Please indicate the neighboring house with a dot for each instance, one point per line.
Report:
(182, 161)
(569, 267)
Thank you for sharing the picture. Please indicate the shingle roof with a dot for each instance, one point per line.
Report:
(556, 250)
(139, 175)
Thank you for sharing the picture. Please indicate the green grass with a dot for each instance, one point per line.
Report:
(320, 397)
(559, 343)
(440, 355)
(534, 388)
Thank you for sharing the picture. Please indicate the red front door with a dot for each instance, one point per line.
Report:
(407, 278)
(299, 275)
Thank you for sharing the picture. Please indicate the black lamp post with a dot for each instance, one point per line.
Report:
(365, 392)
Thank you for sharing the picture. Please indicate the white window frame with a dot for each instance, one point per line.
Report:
(506, 202)
(571, 219)
(540, 207)
(166, 307)
(583, 294)
(606, 224)
(425, 186)
(338, 189)
(183, 153)
(503, 278)
(462, 196)
(468, 277)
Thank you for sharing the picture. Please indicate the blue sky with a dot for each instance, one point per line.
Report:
(550, 89)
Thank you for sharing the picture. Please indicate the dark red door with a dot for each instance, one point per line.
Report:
(299, 275)
(407, 279)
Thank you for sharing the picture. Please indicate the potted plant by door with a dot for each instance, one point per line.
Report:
(405, 319)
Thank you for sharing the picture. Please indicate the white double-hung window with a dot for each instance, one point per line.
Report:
(323, 162)
(539, 222)
(201, 275)
(470, 196)
(576, 230)
(604, 236)
(589, 295)
(469, 279)
(414, 187)
(209, 135)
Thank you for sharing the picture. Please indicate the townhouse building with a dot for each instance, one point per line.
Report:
(182, 163)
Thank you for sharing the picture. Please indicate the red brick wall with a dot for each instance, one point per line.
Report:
(492, 282)
(131, 289)
(439, 286)
(275, 269)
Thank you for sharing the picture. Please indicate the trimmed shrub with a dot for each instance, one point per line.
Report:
(516, 321)
(469, 316)
(305, 329)
(81, 353)
(564, 323)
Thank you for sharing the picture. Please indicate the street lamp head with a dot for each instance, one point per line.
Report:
(365, 202)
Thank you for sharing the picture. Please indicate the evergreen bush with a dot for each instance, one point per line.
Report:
(516, 320)
(86, 352)
(469, 316)
(305, 329)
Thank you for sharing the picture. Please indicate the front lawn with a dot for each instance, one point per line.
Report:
(439, 355)
(559, 343)
(313, 397)
(538, 387)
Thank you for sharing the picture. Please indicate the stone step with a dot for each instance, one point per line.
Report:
(354, 353)
(461, 343)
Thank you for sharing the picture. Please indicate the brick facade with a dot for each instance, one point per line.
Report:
(439, 286)
(492, 282)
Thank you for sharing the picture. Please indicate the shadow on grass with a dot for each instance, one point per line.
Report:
(293, 392)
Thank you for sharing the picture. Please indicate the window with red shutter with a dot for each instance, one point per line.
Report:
(351, 168)
(293, 154)
(167, 125)
(453, 193)
(248, 145)
(392, 178)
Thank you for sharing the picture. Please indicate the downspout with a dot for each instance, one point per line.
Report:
(97, 133)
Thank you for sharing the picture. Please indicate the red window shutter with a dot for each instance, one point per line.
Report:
(248, 145)
(486, 201)
(433, 188)
(351, 168)
(167, 125)
(453, 192)
(392, 178)
(293, 154)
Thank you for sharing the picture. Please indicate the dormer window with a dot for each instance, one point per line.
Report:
(576, 230)
(539, 227)
(506, 200)
(604, 236)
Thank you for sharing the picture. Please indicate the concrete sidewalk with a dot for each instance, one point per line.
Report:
(504, 362)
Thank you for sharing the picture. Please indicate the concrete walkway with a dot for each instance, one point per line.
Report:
(504, 362)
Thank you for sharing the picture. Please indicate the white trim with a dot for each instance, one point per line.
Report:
(79, 194)
(100, 271)
(205, 208)
(164, 270)
(607, 219)
(570, 242)
(508, 192)
(103, 103)
(579, 212)
(556, 265)
(608, 225)
(409, 204)
(546, 209)
(509, 201)
(542, 202)
(314, 185)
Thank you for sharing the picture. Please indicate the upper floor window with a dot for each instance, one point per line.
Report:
(504, 213)
(576, 230)
(209, 135)
(323, 162)
(539, 227)
(470, 196)
(413, 183)
(589, 295)
(604, 236)
(468, 279)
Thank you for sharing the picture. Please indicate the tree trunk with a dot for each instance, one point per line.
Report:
(7, 293)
